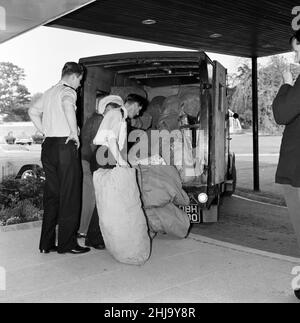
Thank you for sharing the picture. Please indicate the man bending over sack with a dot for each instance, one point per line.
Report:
(88, 150)
(113, 136)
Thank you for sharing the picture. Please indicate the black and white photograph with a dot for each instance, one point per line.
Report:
(150, 154)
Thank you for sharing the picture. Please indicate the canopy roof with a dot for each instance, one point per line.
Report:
(240, 28)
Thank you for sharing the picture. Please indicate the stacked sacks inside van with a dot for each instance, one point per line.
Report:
(189, 98)
(190, 105)
(169, 119)
(155, 109)
(173, 110)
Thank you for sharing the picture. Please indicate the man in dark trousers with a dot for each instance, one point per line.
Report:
(54, 115)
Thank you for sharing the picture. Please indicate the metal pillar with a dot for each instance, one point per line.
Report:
(255, 125)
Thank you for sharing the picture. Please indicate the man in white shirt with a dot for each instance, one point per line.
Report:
(55, 116)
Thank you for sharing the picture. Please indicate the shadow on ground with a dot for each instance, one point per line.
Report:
(253, 225)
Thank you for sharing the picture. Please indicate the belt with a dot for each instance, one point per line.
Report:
(58, 140)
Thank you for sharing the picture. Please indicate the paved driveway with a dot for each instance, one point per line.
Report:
(192, 270)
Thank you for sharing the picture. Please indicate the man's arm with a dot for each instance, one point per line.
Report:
(36, 113)
(286, 106)
(69, 108)
(114, 149)
(70, 114)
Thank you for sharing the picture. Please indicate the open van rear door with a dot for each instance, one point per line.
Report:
(218, 131)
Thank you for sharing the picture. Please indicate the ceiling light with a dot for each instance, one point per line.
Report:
(167, 70)
(213, 36)
(149, 22)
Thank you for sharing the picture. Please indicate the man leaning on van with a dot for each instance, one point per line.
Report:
(55, 116)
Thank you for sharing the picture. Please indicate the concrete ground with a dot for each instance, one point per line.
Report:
(242, 146)
(194, 270)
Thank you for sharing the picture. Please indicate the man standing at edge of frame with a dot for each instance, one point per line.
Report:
(55, 116)
(286, 108)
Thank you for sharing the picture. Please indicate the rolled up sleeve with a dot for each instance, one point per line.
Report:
(109, 128)
(70, 96)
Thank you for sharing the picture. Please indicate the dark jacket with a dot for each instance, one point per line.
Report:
(286, 109)
(88, 133)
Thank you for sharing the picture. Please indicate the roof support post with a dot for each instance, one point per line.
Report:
(255, 124)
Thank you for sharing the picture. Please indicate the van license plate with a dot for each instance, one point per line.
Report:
(194, 213)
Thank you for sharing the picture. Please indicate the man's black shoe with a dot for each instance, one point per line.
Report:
(47, 251)
(100, 246)
(76, 251)
(297, 293)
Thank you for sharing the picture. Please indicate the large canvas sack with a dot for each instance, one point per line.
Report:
(184, 159)
(190, 101)
(155, 109)
(123, 92)
(169, 219)
(122, 220)
(143, 122)
(169, 120)
(161, 185)
(178, 153)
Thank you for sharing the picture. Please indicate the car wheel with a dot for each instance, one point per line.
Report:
(28, 173)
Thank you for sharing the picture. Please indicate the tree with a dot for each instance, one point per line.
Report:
(269, 82)
(14, 96)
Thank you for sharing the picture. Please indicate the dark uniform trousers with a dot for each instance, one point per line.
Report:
(94, 234)
(62, 194)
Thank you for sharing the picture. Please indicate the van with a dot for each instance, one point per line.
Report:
(172, 74)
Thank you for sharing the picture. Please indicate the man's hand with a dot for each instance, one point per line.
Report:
(73, 137)
(288, 77)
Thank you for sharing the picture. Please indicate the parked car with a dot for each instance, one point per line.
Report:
(10, 138)
(19, 160)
